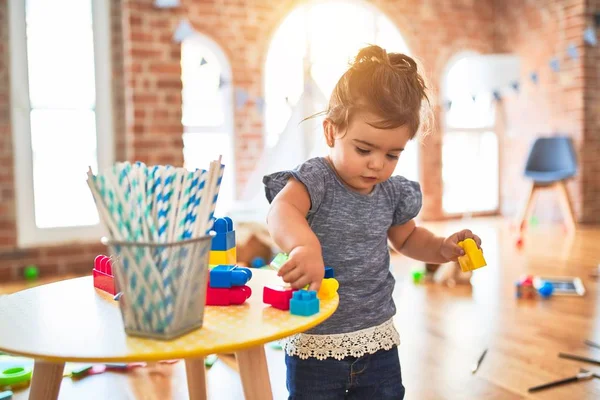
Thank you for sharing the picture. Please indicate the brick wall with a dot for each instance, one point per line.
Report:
(538, 30)
(147, 88)
(591, 124)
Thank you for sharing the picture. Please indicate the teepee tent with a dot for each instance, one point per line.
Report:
(299, 141)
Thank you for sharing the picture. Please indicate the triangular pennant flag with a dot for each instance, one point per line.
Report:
(555, 64)
(260, 104)
(572, 51)
(515, 85)
(496, 95)
(222, 81)
(203, 61)
(534, 77)
(589, 36)
(241, 98)
(166, 3)
(183, 30)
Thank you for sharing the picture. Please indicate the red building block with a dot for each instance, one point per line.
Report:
(227, 296)
(278, 296)
(103, 276)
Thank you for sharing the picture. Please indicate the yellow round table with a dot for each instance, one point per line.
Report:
(71, 321)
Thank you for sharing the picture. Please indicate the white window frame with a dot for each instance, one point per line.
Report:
(471, 131)
(227, 127)
(28, 234)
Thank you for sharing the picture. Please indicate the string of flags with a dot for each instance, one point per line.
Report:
(589, 37)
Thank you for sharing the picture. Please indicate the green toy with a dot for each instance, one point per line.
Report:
(31, 272)
(15, 377)
(418, 275)
(278, 261)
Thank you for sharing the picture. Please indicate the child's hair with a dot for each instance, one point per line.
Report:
(387, 85)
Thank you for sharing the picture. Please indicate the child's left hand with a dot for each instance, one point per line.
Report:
(450, 250)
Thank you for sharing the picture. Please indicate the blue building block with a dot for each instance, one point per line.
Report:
(6, 395)
(329, 273)
(226, 276)
(225, 235)
(304, 302)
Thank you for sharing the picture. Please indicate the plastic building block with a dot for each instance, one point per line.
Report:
(6, 395)
(524, 288)
(223, 257)
(473, 257)
(329, 273)
(278, 296)
(257, 262)
(226, 276)
(103, 276)
(304, 303)
(227, 297)
(15, 377)
(546, 290)
(328, 289)
(278, 261)
(225, 235)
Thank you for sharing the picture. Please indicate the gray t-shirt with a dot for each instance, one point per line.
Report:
(352, 229)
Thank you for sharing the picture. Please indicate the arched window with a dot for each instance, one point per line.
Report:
(470, 169)
(315, 42)
(61, 115)
(207, 112)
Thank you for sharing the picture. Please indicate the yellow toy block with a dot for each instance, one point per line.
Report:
(227, 257)
(328, 289)
(473, 257)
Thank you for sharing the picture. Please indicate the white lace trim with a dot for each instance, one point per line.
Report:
(339, 346)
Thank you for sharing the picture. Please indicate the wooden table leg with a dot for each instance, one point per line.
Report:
(46, 380)
(254, 373)
(196, 378)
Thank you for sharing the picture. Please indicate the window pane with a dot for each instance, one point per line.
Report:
(199, 149)
(468, 189)
(203, 101)
(63, 146)
(60, 54)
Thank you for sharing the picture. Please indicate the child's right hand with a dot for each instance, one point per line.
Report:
(304, 266)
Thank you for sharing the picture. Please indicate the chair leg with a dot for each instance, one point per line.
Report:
(527, 210)
(566, 205)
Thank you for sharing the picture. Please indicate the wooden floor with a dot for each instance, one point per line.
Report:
(444, 330)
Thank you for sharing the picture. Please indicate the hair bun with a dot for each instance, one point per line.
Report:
(369, 56)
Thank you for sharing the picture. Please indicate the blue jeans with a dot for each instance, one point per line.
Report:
(373, 376)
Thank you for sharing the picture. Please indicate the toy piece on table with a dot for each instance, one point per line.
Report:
(545, 290)
(473, 258)
(223, 249)
(304, 303)
(227, 296)
(31, 272)
(15, 378)
(329, 287)
(6, 395)
(226, 276)
(278, 296)
(103, 276)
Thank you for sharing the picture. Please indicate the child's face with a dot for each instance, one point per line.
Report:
(364, 155)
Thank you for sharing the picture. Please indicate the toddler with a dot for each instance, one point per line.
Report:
(340, 211)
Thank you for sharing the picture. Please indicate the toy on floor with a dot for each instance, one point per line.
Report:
(526, 288)
(258, 262)
(6, 395)
(103, 276)
(451, 274)
(15, 378)
(227, 285)
(473, 257)
(31, 273)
